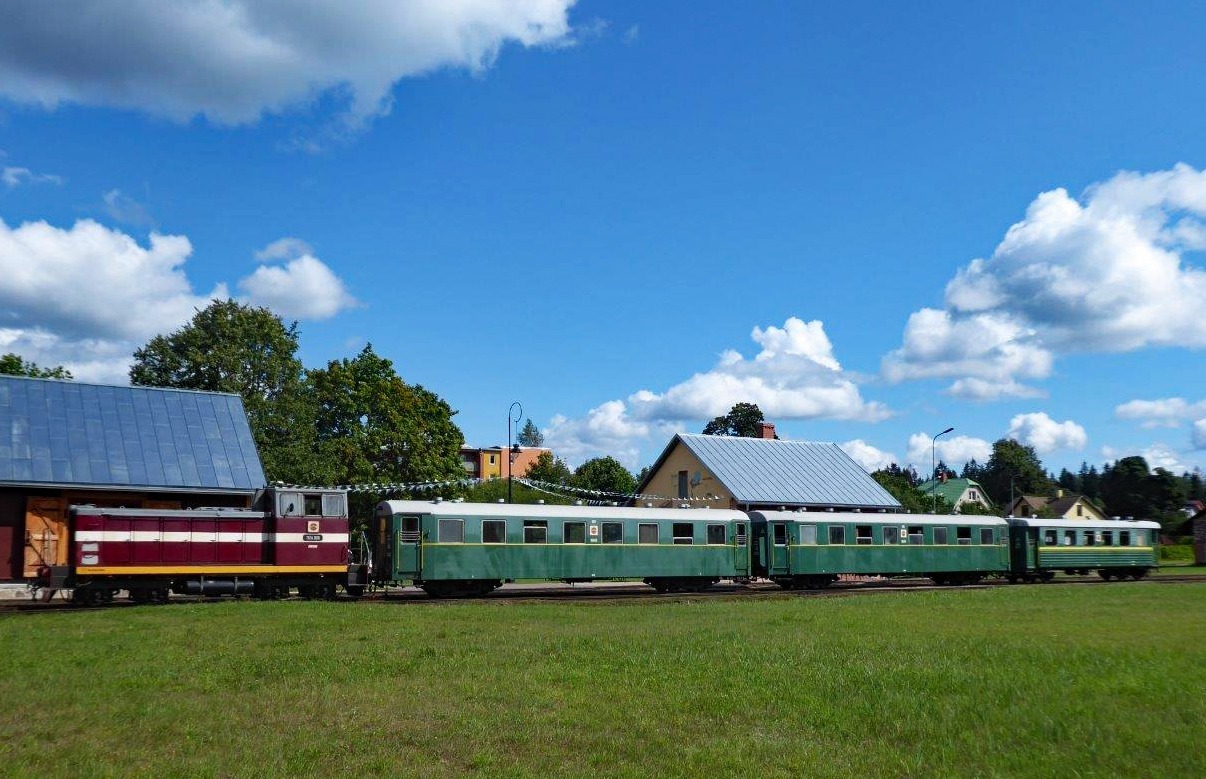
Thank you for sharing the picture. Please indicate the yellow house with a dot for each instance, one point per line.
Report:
(760, 473)
(492, 463)
(1061, 506)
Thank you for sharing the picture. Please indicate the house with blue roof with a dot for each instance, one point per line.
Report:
(761, 473)
(67, 442)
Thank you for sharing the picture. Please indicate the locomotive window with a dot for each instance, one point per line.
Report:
(891, 534)
(916, 534)
(684, 533)
(1069, 538)
(780, 533)
(1124, 538)
(716, 534)
(646, 533)
(535, 531)
(573, 533)
(808, 534)
(940, 534)
(1107, 538)
(963, 536)
(313, 505)
(291, 504)
(986, 536)
(837, 534)
(451, 531)
(613, 532)
(494, 531)
(862, 534)
(1049, 537)
(333, 505)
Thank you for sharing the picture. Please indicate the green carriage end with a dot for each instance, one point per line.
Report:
(453, 549)
(1039, 548)
(811, 549)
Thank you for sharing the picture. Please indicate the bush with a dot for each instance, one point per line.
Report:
(1177, 553)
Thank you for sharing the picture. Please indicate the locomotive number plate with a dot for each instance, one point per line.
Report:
(312, 537)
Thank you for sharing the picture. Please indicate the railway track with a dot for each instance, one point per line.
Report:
(617, 592)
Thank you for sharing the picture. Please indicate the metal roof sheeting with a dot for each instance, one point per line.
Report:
(67, 433)
(790, 473)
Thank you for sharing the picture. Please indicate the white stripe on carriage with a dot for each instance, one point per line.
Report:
(178, 537)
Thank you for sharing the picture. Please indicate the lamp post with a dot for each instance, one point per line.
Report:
(934, 466)
(511, 417)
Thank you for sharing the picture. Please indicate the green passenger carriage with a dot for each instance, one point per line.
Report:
(1116, 549)
(810, 549)
(456, 549)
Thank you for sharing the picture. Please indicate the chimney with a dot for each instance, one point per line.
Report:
(768, 430)
(1059, 493)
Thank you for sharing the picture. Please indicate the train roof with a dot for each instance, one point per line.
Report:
(1085, 524)
(868, 518)
(544, 511)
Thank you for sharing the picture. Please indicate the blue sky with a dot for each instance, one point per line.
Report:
(874, 222)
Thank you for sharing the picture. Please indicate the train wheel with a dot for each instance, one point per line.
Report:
(324, 591)
(1046, 576)
(159, 596)
(140, 596)
(87, 597)
(1107, 575)
(1137, 575)
(1013, 578)
(355, 590)
(306, 591)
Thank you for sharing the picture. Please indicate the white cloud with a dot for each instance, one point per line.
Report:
(1105, 273)
(954, 451)
(87, 296)
(235, 60)
(286, 248)
(125, 209)
(870, 458)
(1162, 412)
(1199, 434)
(606, 430)
(13, 177)
(1045, 434)
(1160, 455)
(305, 288)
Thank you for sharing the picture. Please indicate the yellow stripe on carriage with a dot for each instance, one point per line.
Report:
(206, 570)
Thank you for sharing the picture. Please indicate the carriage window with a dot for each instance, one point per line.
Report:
(684, 533)
(1050, 537)
(716, 534)
(573, 533)
(613, 532)
(808, 534)
(494, 531)
(891, 534)
(837, 534)
(1140, 538)
(1107, 538)
(451, 531)
(1090, 538)
(780, 531)
(535, 531)
(916, 534)
(1124, 538)
(963, 536)
(1069, 538)
(940, 536)
(646, 533)
(862, 534)
(986, 536)
(314, 505)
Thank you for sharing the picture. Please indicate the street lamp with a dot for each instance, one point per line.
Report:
(511, 417)
(934, 466)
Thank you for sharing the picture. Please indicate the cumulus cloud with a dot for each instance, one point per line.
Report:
(1045, 434)
(87, 296)
(303, 288)
(234, 61)
(606, 429)
(954, 451)
(1103, 273)
(869, 457)
(1199, 434)
(1162, 412)
(1160, 455)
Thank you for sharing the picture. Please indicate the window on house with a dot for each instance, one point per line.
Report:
(916, 534)
(963, 536)
(573, 533)
(780, 533)
(1069, 538)
(986, 537)
(837, 534)
(494, 531)
(613, 532)
(451, 531)
(862, 535)
(535, 531)
(940, 534)
(684, 533)
(682, 484)
(1080, 510)
(808, 534)
(891, 534)
(1124, 538)
(1050, 537)
(716, 534)
(1107, 538)
(646, 533)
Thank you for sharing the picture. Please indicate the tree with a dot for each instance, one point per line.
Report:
(604, 474)
(12, 365)
(233, 347)
(744, 420)
(901, 484)
(1016, 462)
(1068, 481)
(1124, 488)
(549, 469)
(530, 435)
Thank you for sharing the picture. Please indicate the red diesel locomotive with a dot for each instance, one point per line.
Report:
(291, 539)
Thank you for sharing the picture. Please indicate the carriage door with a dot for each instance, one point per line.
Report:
(410, 539)
(741, 550)
(780, 559)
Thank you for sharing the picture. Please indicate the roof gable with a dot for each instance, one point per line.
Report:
(789, 473)
(69, 433)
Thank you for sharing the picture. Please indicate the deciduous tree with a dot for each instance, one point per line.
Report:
(604, 474)
(13, 365)
(744, 420)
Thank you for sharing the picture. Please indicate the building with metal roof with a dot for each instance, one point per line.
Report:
(958, 493)
(762, 473)
(64, 442)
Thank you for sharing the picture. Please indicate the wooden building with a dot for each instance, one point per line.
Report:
(65, 442)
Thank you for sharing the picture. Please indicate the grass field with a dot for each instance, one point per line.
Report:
(1010, 681)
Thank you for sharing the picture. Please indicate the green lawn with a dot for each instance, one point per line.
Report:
(1008, 681)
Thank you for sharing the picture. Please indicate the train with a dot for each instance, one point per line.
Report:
(299, 541)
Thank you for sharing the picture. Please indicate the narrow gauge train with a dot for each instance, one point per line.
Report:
(459, 549)
(291, 539)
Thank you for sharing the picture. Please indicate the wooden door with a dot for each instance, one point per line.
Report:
(45, 534)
